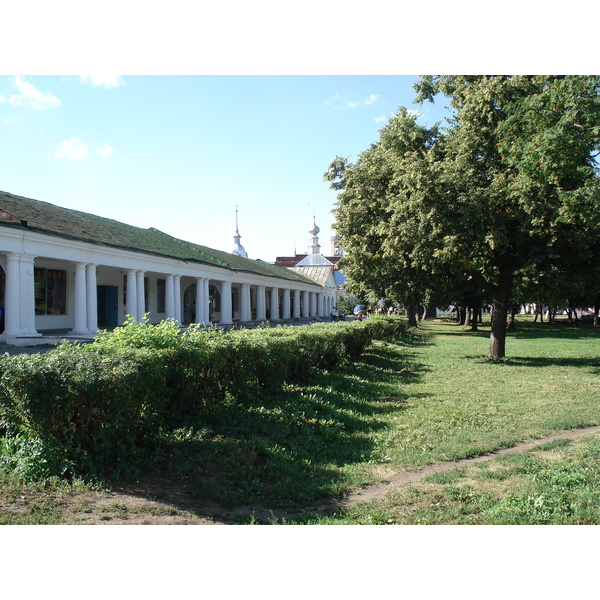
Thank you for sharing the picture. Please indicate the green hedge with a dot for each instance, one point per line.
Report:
(96, 408)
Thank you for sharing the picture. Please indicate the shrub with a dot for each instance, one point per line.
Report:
(95, 409)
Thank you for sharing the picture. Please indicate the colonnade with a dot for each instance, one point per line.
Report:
(285, 303)
(251, 296)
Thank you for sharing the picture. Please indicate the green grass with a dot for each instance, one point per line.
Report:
(555, 484)
(431, 396)
(44, 502)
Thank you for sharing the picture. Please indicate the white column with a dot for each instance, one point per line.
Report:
(80, 301)
(27, 288)
(169, 298)
(132, 306)
(12, 305)
(245, 314)
(285, 305)
(274, 304)
(226, 303)
(320, 305)
(249, 302)
(296, 312)
(199, 311)
(253, 296)
(313, 304)
(261, 311)
(92, 298)
(141, 295)
(206, 301)
(177, 297)
(306, 305)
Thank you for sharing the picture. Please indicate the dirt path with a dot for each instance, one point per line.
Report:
(401, 479)
(146, 506)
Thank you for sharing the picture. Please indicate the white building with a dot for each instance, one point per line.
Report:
(64, 271)
(320, 270)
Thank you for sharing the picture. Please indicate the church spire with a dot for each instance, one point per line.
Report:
(313, 240)
(238, 248)
(314, 257)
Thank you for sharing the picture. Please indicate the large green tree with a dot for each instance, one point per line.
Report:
(498, 192)
(373, 215)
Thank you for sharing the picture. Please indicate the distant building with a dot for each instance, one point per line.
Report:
(64, 271)
(333, 257)
(319, 268)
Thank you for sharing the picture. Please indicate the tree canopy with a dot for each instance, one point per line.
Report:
(508, 187)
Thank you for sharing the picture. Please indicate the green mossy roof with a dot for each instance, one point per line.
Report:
(43, 217)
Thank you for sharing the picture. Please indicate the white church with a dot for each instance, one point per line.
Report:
(65, 273)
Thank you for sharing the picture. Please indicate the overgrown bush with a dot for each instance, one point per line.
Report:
(95, 409)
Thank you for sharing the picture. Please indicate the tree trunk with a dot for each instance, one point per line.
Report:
(573, 313)
(500, 309)
(476, 316)
(511, 319)
(467, 316)
(411, 313)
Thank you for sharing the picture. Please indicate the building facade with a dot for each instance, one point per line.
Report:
(64, 271)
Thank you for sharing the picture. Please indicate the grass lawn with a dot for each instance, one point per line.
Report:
(428, 397)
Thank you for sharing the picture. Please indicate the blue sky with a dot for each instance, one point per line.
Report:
(237, 104)
(181, 152)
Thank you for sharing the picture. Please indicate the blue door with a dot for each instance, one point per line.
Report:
(108, 306)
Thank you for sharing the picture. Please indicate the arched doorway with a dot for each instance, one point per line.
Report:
(189, 304)
(214, 303)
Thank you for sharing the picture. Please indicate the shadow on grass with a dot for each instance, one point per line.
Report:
(535, 331)
(283, 449)
(522, 329)
(592, 362)
(456, 329)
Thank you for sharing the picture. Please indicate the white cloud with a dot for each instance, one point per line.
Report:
(370, 99)
(109, 81)
(104, 151)
(381, 119)
(332, 99)
(72, 149)
(31, 97)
